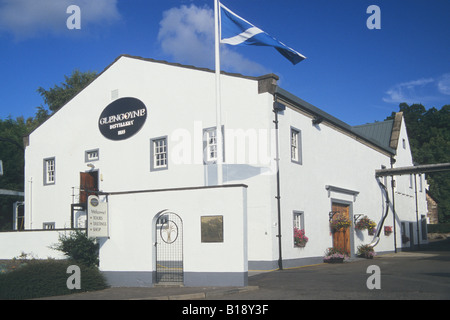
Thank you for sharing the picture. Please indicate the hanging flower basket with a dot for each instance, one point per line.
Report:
(387, 230)
(300, 239)
(340, 222)
(366, 224)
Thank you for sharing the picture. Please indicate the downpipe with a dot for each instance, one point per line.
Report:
(376, 239)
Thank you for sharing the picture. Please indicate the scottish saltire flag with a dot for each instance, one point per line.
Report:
(236, 31)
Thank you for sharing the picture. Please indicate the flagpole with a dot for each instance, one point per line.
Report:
(219, 137)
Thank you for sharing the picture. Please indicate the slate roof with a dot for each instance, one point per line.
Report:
(378, 131)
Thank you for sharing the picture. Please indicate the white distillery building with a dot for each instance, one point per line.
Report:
(141, 139)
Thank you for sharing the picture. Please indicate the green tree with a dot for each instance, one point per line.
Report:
(11, 154)
(13, 131)
(58, 96)
(429, 136)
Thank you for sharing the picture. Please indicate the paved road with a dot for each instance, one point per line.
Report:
(422, 275)
(417, 275)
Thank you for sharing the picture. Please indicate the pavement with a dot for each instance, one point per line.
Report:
(419, 274)
(156, 293)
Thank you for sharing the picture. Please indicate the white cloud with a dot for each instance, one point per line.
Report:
(410, 92)
(444, 84)
(187, 34)
(32, 18)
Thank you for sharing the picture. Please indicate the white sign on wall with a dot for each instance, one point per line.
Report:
(97, 218)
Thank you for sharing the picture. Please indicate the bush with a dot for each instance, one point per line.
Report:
(439, 228)
(78, 247)
(44, 278)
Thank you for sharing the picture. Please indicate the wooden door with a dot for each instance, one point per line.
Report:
(341, 238)
(88, 185)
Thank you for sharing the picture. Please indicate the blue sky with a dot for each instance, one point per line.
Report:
(356, 74)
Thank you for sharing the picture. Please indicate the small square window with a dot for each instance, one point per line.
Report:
(92, 155)
(158, 154)
(212, 228)
(48, 225)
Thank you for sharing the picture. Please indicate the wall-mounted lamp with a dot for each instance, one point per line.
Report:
(317, 120)
(90, 165)
(277, 106)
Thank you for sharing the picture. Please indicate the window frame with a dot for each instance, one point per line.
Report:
(48, 226)
(298, 159)
(88, 152)
(153, 154)
(300, 220)
(46, 180)
(206, 146)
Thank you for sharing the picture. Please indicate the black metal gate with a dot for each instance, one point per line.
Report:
(169, 248)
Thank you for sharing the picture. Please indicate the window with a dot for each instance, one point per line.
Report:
(49, 171)
(404, 143)
(48, 225)
(299, 236)
(91, 155)
(210, 145)
(159, 154)
(296, 152)
(212, 228)
(298, 220)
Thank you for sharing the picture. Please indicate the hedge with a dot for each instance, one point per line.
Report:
(45, 278)
(439, 228)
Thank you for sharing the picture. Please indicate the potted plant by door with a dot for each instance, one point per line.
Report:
(365, 251)
(334, 255)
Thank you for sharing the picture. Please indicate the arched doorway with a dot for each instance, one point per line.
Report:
(169, 248)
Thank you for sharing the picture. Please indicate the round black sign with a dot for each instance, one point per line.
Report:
(122, 118)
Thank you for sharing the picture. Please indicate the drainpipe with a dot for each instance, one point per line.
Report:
(417, 210)
(376, 239)
(276, 108)
(393, 206)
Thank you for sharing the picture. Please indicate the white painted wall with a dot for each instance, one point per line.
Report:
(35, 244)
(180, 104)
(132, 225)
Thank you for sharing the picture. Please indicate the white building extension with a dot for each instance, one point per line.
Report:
(142, 138)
